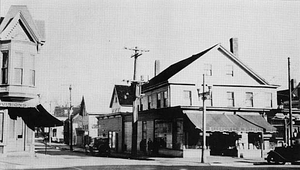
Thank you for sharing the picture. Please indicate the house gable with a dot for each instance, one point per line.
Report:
(18, 24)
(121, 97)
(217, 61)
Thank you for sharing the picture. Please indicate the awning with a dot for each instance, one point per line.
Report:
(228, 122)
(258, 121)
(45, 119)
(35, 116)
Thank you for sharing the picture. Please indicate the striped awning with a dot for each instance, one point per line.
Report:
(230, 122)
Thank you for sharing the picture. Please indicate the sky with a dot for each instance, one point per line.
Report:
(85, 41)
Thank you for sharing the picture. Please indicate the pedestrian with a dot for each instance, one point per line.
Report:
(150, 147)
(143, 146)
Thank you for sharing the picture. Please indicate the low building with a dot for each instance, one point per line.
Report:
(112, 125)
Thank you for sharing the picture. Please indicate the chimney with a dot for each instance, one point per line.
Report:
(156, 67)
(234, 47)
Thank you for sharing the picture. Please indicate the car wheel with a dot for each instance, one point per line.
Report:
(271, 159)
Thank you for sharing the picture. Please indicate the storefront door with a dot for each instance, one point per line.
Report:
(16, 140)
(20, 135)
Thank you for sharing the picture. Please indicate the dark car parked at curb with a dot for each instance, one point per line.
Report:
(98, 146)
(281, 155)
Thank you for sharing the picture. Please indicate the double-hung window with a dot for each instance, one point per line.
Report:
(269, 100)
(187, 95)
(208, 69)
(230, 99)
(31, 70)
(4, 69)
(149, 102)
(165, 99)
(158, 100)
(229, 70)
(249, 99)
(18, 69)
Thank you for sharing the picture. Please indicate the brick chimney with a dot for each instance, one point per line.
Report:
(234, 47)
(156, 67)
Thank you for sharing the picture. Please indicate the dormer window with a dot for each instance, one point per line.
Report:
(4, 69)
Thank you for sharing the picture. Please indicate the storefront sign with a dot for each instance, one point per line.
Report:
(13, 104)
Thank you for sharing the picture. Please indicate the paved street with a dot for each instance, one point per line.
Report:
(55, 158)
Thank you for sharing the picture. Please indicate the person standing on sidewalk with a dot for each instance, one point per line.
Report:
(150, 147)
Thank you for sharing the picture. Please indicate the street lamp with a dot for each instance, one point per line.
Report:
(204, 95)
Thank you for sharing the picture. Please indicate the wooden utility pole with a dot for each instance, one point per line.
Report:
(137, 53)
(290, 103)
(70, 121)
(203, 123)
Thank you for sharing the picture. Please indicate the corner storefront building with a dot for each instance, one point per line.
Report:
(21, 39)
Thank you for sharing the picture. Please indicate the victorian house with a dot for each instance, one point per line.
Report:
(21, 39)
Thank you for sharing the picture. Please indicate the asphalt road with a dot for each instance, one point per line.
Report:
(55, 158)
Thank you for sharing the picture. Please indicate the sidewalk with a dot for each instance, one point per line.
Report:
(54, 153)
(210, 160)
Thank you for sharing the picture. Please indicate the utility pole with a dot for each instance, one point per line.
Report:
(137, 53)
(290, 102)
(70, 121)
(203, 123)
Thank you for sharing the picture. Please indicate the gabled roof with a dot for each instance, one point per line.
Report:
(235, 59)
(20, 13)
(172, 70)
(124, 94)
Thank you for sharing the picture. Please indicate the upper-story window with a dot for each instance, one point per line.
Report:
(187, 96)
(158, 100)
(269, 100)
(229, 70)
(208, 69)
(4, 69)
(230, 99)
(31, 70)
(116, 99)
(249, 99)
(18, 69)
(149, 102)
(165, 99)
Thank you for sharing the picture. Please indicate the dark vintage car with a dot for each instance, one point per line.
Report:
(98, 146)
(281, 155)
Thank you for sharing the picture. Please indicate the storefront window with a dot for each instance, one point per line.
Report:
(163, 133)
(179, 134)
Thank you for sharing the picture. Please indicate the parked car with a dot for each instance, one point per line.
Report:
(98, 146)
(281, 155)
